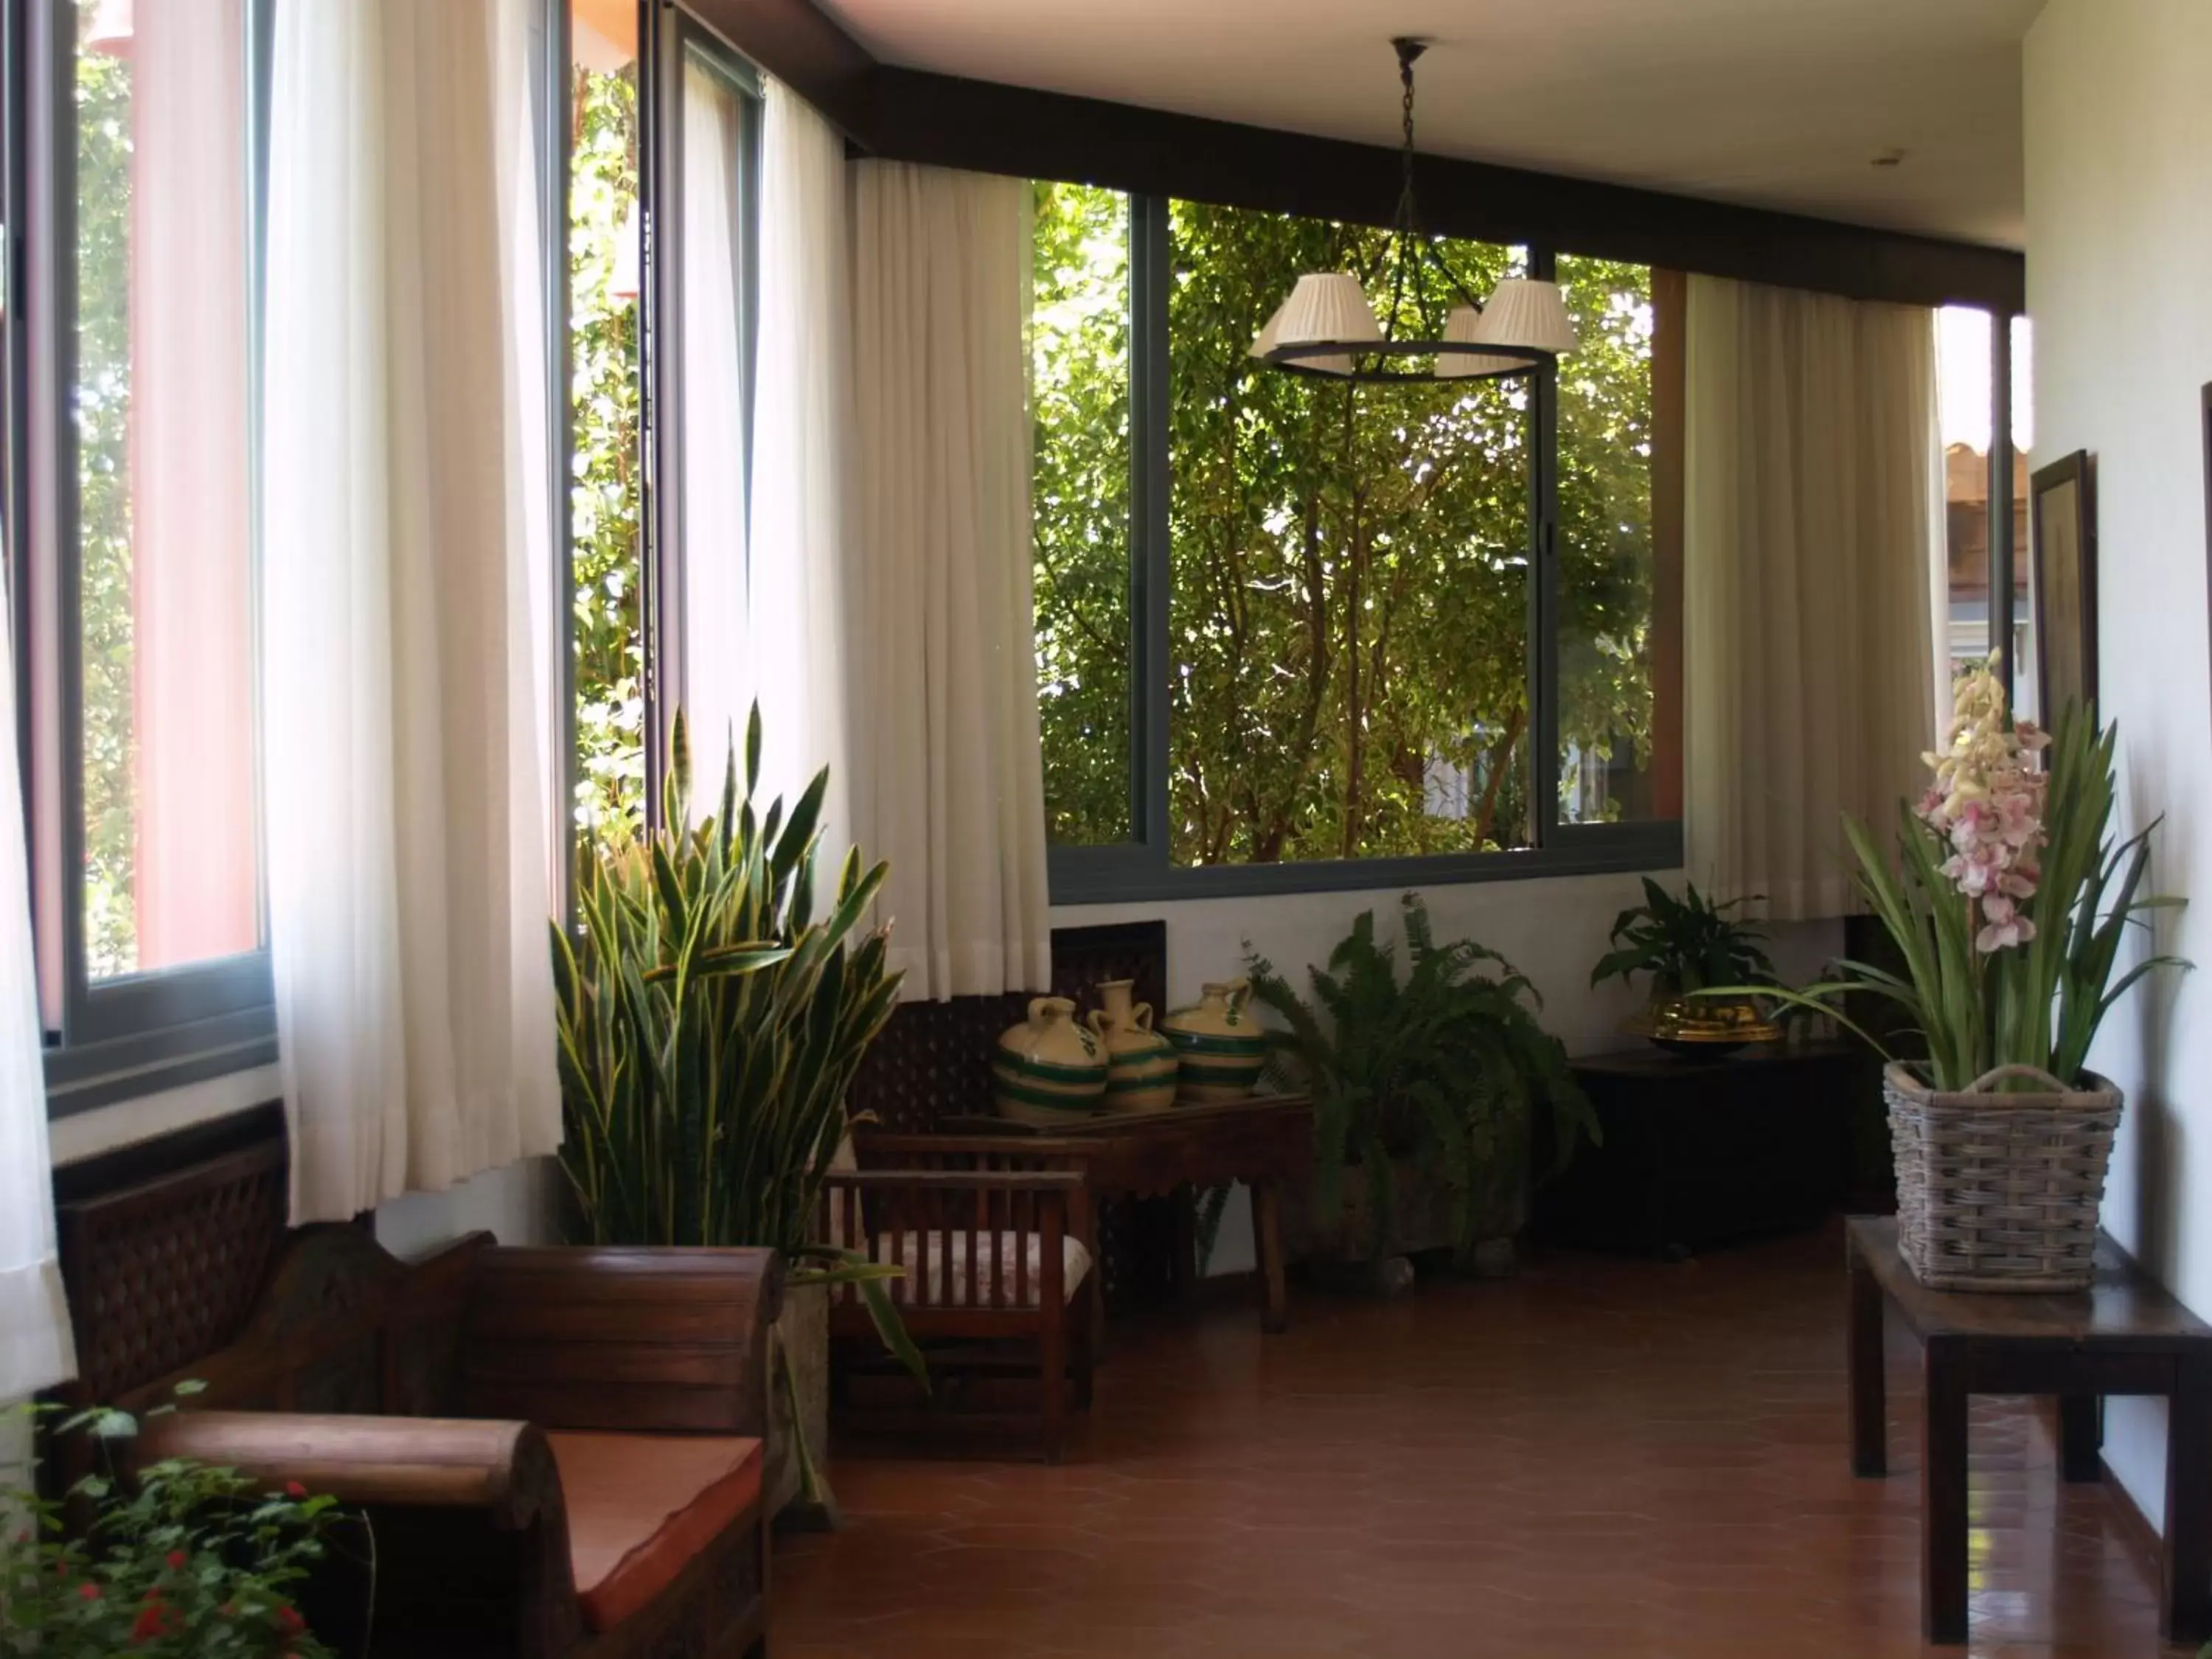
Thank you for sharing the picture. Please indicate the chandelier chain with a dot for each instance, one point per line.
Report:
(1416, 262)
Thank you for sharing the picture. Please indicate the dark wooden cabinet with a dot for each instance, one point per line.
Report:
(1700, 1152)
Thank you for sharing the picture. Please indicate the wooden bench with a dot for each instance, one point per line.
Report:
(557, 1451)
(2125, 1335)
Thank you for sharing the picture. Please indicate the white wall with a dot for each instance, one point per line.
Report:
(1552, 930)
(514, 1203)
(2119, 288)
(105, 1129)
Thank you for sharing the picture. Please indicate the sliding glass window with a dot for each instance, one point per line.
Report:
(1296, 634)
(1080, 494)
(1619, 561)
(709, 288)
(606, 475)
(664, 129)
(134, 169)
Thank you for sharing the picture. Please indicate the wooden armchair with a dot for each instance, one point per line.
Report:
(558, 1451)
(996, 1243)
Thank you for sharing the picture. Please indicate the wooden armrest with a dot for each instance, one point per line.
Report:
(1068, 1181)
(1044, 1149)
(469, 1522)
(634, 1340)
(424, 1463)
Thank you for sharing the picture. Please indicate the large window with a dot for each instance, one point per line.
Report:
(1349, 574)
(1290, 631)
(657, 520)
(606, 496)
(1079, 389)
(134, 182)
(131, 500)
(1964, 337)
(1619, 610)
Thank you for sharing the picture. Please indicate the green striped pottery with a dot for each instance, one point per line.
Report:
(1221, 1049)
(1140, 1074)
(1048, 1070)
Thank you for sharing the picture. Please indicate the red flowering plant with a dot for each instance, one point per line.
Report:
(178, 1558)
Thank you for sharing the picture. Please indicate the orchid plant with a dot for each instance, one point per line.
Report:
(2010, 898)
(1987, 804)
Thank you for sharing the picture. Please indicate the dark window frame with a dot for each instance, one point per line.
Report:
(667, 36)
(1142, 868)
(141, 1032)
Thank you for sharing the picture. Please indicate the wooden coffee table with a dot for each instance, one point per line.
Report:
(2124, 1336)
(1264, 1142)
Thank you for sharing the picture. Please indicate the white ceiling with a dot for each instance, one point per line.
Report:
(1773, 103)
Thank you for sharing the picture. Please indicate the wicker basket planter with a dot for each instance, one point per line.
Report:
(2000, 1192)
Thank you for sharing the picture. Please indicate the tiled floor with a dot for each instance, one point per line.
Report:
(1599, 1459)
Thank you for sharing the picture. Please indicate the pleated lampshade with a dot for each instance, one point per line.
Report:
(1461, 326)
(1524, 312)
(1327, 304)
(1271, 333)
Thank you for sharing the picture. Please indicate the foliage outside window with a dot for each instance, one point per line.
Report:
(1606, 553)
(605, 500)
(1349, 573)
(1350, 660)
(103, 435)
(1079, 392)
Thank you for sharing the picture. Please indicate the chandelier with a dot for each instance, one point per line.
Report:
(1329, 327)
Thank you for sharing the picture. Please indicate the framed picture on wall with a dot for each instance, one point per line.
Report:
(2062, 521)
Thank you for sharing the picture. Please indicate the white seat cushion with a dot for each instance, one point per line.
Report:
(949, 1285)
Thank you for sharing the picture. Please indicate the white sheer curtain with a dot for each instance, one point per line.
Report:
(35, 1348)
(406, 792)
(1812, 517)
(718, 683)
(534, 492)
(947, 781)
(802, 461)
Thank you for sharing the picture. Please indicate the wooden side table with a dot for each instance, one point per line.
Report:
(2125, 1335)
(1700, 1151)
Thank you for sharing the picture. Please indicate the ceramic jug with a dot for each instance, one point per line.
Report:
(1048, 1070)
(1140, 1063)
(1221, 1047)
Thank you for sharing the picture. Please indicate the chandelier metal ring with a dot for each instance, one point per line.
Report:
(1328, 329)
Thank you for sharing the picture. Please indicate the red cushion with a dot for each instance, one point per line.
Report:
(641, 1506)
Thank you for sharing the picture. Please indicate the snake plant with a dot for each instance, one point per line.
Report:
(711, 1018)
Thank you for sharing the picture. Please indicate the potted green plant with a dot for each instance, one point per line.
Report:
(1428, 1084)
(178, 1559)
(1685, 946)
(2009, 901)
(712, 1014)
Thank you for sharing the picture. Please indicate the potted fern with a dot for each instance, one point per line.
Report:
(713, 1010)
(1428, 1085)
